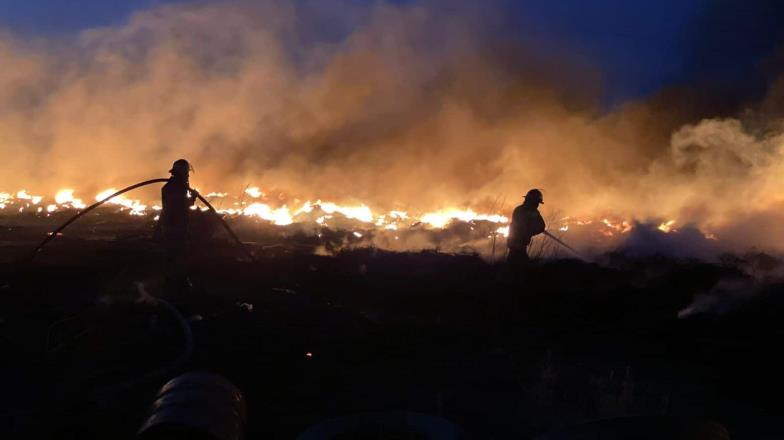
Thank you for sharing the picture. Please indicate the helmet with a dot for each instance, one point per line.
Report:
(534, 196)
(181, 166)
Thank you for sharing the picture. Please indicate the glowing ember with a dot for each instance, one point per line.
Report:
(667, 227)
(66, 197)
(323, 213)
(22, 195)
(135, 206)
(361, 213)
(402, 215)
(440, 219)
(254, 192)
(280, 216)
(615, 227)
(305, 209)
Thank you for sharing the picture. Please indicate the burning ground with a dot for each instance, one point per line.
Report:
(450, 230)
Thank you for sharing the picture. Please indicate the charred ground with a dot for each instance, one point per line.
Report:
(503, 355)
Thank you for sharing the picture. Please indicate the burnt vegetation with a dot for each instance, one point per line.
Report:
(309, 337)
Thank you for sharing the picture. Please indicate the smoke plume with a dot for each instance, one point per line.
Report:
(413, 107)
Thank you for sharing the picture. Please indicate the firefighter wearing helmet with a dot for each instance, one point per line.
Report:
(176, 199)
(526, 222)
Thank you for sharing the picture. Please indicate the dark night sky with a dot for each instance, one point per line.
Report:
(641, 46)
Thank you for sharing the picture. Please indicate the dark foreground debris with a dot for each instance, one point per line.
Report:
(312, 338)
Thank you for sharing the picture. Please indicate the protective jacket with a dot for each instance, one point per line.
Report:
(526, 222)
(176, 201)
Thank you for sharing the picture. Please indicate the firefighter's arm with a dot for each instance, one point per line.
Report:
(193, 195)
(538, 225)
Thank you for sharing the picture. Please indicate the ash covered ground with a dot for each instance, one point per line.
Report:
(318, 328)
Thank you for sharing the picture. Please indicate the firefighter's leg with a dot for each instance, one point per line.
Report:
(176, 264)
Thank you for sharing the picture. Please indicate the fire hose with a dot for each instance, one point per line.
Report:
(54, 234)
(187, 351)
(559, 241)
(227, 228)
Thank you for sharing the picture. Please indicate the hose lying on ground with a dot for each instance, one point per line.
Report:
(20, 416)
(52, 235)
(187, 335)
